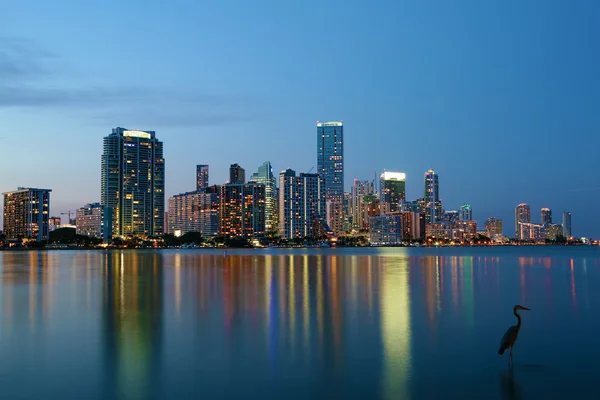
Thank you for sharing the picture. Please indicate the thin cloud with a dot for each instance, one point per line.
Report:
(27, 72)
(584, 189)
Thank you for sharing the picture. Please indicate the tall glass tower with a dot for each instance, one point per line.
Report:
(522, 215)
(133, 182)
(392, 189)
(266, 177)
(201, 176)
(330, 166)
(432, 203)
(330, 157)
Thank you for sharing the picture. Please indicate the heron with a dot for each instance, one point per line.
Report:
(511, 335)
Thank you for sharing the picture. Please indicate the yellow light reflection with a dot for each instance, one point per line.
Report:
(395, 315)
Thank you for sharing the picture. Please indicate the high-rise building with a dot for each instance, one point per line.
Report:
(450, 217)
(522, 215)
(529, 231)
(566, 224)
(330, 166)
(133, 182)
(301, 205)
(26, 214)
(265, 176)
(242, 210)
(392, 189)
(546, 217)
(196, 211)
(465, 213)
(94, 220)
(432, 203)
(357, 195)
(201, 176)
(330, 157)
(237, 174)
(493, 226)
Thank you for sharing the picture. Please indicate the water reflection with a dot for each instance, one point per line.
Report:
(374, 323)
(132, 326)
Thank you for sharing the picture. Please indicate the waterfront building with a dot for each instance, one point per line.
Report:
(94, 220)
(357, 194)
(330, 166)
(385, 230)
(54, 223)
(237, 174)
(465, 213)
(566, 224)
(265, 177)
(554, 231)
(450, 217)
(531, 232)
(432, 204)
(26, 214)
(392, 189)
(546, 216)
(301, 205)
(493, 226)
(196, 211)
(522, 215)
(201, 176)
(242, 210)
(133, 182)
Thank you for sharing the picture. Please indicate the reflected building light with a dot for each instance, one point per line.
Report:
(320, 301)
(395, 327)
(178, 285)
(292, 305)
(306, 305)
(573, 292)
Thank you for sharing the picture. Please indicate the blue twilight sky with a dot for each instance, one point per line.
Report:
(501, 98)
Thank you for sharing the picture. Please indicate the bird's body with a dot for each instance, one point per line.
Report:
(511, 335)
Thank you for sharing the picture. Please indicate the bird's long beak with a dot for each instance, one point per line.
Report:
(525, 308)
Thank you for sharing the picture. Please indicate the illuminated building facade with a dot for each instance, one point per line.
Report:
(392, 189)
(465, 213)
(242, 210)
(357, 195)
(385, 230)
(133, 182)
(529, 231)
(237, 174)
(201, 176)
(301, 205)
(54, 223)
(196, 211)
(26, 214)
(554, 232)
(265, 177)
(94, 220)
(566, 224)
(330, 166)
(432, 204)
(546, 216)
(522, 215)
(493, 226)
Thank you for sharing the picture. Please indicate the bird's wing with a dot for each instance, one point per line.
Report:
(509, 337)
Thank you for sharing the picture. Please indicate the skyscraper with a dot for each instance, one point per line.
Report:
(330, 157)
(546, 217)
(94, 220)
(392, 189)
(359, 191)
(301, 205)
(237, 174)
(493, 226)
(242, 210)
(265, 176)
(432, 203)
(566, 224)
(133, 182)
(465, 213)
(522, 215)
(26, 214)
(201, 176)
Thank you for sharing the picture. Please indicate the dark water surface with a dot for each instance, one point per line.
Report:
(299, 324)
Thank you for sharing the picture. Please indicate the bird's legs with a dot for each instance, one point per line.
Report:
(510, 357)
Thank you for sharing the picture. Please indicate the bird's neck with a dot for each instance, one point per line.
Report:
(518, 318)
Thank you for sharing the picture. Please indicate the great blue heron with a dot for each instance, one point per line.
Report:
(511, 335)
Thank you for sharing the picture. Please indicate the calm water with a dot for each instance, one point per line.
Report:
(299, 324)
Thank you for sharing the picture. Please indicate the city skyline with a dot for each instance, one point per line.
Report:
(406, 104)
